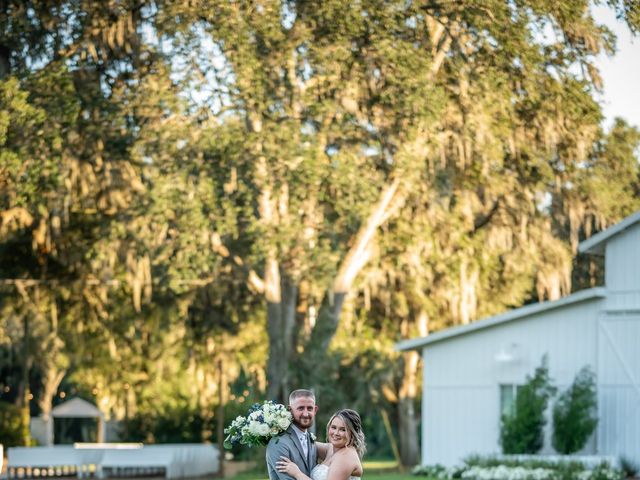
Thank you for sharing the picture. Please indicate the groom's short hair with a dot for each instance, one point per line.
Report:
(301, 392)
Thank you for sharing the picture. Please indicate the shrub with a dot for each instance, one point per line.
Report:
(629, 468)
(439, 471)
(574, 414)
(605, 472)
(180, 424)
(523, 430)
(13, 430)
(562, 470)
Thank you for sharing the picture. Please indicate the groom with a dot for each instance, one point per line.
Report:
(296, 443)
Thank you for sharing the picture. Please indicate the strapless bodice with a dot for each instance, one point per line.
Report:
(321, 471)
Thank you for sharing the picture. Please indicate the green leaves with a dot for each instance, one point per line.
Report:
(523, 430)
(574, 413)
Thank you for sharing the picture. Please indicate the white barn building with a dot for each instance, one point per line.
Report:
(471, 372)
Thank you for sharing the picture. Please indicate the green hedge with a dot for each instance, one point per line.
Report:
(14, 426)
(574, 414)
(523, 430)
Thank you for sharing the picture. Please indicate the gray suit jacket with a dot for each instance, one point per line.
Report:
(288, 445)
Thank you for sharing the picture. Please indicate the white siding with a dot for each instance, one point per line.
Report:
(619, 385)
(462, 376)
(623, 301)
(460, 421)
(622, 262)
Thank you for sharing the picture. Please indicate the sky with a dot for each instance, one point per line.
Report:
(620, 73)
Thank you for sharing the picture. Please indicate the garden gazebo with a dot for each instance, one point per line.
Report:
(76, 408)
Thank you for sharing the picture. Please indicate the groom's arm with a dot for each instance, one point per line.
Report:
(275, 450)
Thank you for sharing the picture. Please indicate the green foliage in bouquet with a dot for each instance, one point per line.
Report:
(523, 430)
(262, 422)
(574, 414)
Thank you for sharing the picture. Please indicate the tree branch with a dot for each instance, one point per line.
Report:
(481, 222)
(353, 261)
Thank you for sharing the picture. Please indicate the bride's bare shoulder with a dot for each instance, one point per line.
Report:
(344, 464)
(348, 455)
(350, 452)
(354, 461)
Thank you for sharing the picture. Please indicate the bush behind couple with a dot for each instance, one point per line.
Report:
(295, 455)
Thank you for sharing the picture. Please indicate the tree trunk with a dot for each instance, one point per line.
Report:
(220, 415)
(281, 318)
(5, 65)
(355, 259)
(25, 389)
(51, 380)
(407, 415)
(276, 367)
(53, 371)
(281, 295)
(407, 418)
(326, 325)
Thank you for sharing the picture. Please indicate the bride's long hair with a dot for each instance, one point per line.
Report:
(354, 425)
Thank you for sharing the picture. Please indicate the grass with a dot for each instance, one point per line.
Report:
(385, 470)
(376, 469)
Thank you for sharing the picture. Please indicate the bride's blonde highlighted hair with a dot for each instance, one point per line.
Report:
(354, 426)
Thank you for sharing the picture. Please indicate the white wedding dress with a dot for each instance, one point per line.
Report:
(321, 471)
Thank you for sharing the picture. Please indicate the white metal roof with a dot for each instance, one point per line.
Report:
(511, 315)
(76, 408)
(595, 244)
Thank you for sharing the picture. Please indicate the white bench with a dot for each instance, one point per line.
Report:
(189, 460)
(145, 461)
(41, 461)
(121, 460)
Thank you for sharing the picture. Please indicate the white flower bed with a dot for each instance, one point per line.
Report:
(502, 472)
(589, 461)
(533, 468)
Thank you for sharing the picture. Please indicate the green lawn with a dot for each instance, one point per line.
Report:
(385, 470)
(373, 469)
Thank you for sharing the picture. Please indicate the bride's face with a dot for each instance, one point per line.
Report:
(338, 434)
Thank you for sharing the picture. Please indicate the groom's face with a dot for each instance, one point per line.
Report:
(303, 410)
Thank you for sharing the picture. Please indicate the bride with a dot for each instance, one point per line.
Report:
(340, 459)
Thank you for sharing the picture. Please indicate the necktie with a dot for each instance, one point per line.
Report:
(304, 440)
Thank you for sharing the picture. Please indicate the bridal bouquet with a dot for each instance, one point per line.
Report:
(262, 422)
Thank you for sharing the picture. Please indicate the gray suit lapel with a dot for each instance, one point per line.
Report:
(313, 455)
(296, 442)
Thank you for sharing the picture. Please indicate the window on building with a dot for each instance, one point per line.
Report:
(508, 394)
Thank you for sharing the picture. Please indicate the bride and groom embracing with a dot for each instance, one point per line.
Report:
(296, 455)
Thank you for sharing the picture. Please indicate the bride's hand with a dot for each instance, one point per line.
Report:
(284, 465)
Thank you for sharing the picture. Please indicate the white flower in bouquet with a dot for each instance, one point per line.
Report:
(269, 417)
(262, 422)
(258, 429)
